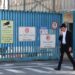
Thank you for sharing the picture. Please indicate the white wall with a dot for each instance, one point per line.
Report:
(3, 4)
(38, 5)
(68, 5)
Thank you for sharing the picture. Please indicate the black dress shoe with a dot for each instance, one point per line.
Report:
(57, 68)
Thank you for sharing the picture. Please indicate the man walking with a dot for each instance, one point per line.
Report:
(65, 45)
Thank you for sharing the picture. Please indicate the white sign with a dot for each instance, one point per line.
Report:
(27, 33)
(43, 31)
(6, 31)
(47, 41)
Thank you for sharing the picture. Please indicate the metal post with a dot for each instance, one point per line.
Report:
(54, 5)
(8, 5)
(24, 4)
(4, 5)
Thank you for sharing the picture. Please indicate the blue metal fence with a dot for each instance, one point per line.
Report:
(26, 51)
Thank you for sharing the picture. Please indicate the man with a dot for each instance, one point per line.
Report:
(65, 45)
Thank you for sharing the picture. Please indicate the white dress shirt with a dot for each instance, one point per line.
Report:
(64, 38)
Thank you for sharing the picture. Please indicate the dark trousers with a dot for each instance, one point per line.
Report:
(65, 49)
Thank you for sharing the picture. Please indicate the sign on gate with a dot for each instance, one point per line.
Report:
(43, 31)
(47, 41)
(27, 33)
(6, 31)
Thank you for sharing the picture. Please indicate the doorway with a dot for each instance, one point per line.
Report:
(68, 19)
(70, 28)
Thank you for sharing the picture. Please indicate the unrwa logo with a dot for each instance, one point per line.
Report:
(48, 37)
(54, 25)
(27, 30)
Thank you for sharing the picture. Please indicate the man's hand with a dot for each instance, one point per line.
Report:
(61, 33)
(70, 49)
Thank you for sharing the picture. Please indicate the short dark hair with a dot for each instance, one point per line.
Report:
(63, 25)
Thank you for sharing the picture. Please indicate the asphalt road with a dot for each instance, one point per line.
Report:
(35, 68)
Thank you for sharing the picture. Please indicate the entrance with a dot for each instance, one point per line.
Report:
(70, 28)
(68, 19)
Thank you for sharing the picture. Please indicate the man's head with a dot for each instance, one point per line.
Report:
(63, 27)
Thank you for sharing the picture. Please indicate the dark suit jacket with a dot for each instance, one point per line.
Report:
(68, 39)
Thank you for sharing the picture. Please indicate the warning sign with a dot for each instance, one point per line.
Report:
(6, 31)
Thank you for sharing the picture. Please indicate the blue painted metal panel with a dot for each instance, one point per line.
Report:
(19, 51)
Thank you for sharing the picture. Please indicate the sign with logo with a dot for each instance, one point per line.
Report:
(47, 41)
(6, 31)
(68, 17)
(27, 33)
(54, 25)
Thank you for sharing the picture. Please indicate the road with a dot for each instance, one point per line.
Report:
(35, 68)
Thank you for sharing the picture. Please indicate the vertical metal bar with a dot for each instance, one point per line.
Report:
(24, 4)
(21, 16)
(9, 4)
(54, 5)
(17, 23)
(4, 5)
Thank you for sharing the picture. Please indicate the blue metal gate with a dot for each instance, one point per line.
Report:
(25, 50)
